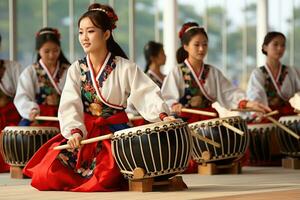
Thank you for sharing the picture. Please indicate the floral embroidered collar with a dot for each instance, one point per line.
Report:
(201, 78)
(98, 80)
(53, 78)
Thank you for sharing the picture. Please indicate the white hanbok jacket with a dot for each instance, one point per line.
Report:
(126, 82)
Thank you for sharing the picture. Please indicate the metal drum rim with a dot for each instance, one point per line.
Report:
(30, 128)
(213, 121)
(290, 118)
(260, 126)
(143, 128)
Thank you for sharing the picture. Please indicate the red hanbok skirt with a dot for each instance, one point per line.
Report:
(9, 116)
(48, 172)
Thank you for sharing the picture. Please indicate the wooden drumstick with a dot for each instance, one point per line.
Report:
(200, 137)
(286, 129)
(46, 118)
(135, 117)
(297, 111)
(274, 112)
(87, 141)
(244, 110)
(238, 131)
(198, 112)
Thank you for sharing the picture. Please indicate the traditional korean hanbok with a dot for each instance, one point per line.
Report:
(199, 91)
(155, 78)
(9, 116)
(274, 91)
(92, 105)
(40, 90)
(135, 118)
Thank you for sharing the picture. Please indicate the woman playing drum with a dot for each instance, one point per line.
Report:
(92, 104)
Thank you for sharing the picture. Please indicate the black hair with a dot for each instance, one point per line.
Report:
(185, 36)
(151, 49)
(104, 18)
(49, 34)
(269, 37)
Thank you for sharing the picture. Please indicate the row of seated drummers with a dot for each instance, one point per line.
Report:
(192, 84)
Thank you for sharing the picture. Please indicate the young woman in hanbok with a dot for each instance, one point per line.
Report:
(155, 57)
(9, 116)
(274, 84)
(40, 84)
(195, 84)
(92, 104)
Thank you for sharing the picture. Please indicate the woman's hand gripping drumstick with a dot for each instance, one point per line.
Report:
(76, 141)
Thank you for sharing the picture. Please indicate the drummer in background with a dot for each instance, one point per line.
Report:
(9, 116)
(155, 58)
(40, 84)
(274, 83)
(92, 104)
(195, 84)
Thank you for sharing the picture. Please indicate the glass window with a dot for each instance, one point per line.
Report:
(144, 26)
(297, 33)
(58, 17)
(280, 18)
(4, 30)
(29, 20)
(121, 32)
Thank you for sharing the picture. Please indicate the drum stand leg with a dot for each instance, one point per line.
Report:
(149, 184)
(291, 163)
(16, 172)
(212, 168)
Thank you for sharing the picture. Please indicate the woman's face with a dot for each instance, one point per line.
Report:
(91, 38)
(276, 48)
(49, 53)
(197, 47)
(160, 59)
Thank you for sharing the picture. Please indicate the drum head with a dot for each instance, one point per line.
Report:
(143, 128)
(289, 118)
(216, 121)
(262, 126)
(30, 129)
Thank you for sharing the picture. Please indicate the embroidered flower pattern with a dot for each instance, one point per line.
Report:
(273, 98)
(92, 103)
(69, 159)
(193, 97)
(47, 95)
(110, 66)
